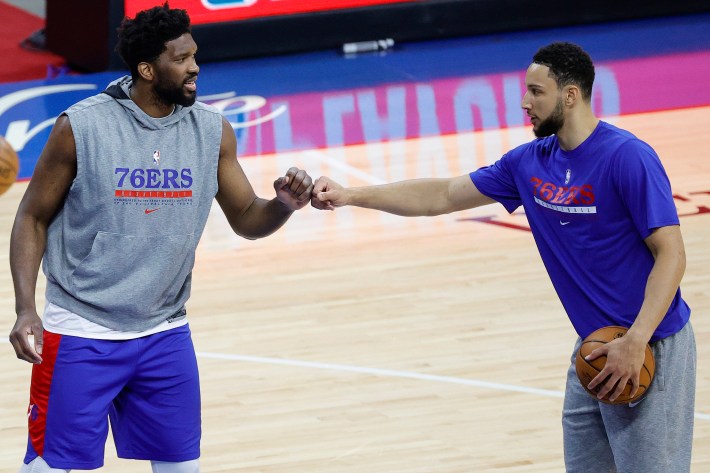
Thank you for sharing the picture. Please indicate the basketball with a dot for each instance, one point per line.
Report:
(9, 165)
(587, 370)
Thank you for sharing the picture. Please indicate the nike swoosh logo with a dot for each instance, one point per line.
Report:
(150, 211)
(563, 223)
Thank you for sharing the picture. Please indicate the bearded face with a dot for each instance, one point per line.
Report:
(173, 90)
(552, 124)
(176, 72)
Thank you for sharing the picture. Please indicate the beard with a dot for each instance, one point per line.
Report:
(552, 124)
(170, 94)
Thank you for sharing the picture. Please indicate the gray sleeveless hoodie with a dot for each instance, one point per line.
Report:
(120, 251)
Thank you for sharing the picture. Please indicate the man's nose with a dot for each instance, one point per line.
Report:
(525, 103)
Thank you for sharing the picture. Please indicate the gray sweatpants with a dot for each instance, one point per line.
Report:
(654, 436)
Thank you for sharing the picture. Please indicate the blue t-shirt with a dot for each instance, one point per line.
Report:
(590, 210)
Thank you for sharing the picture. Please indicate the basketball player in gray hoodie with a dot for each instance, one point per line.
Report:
(114, 211)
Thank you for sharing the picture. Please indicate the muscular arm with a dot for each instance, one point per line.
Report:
(666, 245)
(625, 355)
(52, 177)
(251, 216)
(416, 197)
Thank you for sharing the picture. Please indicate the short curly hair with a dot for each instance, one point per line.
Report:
(569, 64)
(143, 38)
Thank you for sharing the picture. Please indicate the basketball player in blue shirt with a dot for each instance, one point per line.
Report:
(600, 208)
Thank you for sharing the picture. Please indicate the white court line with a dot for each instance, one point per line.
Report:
(397, 374)
(334, 163)
(389, 373)
(386, 373)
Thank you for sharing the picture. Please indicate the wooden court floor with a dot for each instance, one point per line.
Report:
(358, 342)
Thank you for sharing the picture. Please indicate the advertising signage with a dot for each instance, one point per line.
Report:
(218, 11)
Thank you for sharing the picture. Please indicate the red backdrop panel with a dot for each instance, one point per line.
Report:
(213, 11)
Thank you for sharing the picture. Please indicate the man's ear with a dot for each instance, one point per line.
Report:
(572, 95)
(145, 70)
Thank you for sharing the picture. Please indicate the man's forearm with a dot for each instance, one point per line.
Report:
(263, 217)
(418, 197)
(27, 246)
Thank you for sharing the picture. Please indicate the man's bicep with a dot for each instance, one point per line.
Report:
(53, 174)
(464, 194)
(668, 238)
(234, 194)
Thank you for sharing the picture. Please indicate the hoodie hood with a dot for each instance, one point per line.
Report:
(119, 91)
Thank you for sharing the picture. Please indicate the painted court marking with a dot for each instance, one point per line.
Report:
(395, 374)
(337, 164)
(390, 374)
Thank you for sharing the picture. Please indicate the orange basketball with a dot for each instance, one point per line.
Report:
(9, 165)
(587, 370)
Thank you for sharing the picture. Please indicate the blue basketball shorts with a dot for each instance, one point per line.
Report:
(148, 387)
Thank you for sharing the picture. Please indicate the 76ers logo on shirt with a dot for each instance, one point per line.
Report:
(153, 187)
(549, 192)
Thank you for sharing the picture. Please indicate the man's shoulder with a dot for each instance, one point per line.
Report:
(618, 143)
(613, 134)
(90, 102)
(203, 107)
(539, 146)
